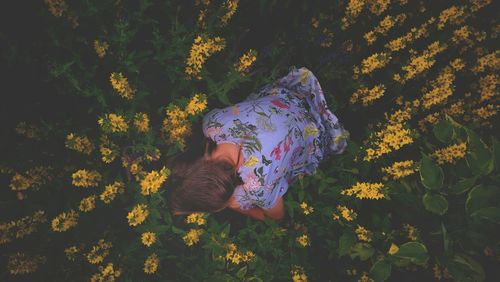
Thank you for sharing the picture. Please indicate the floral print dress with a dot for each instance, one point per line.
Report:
(285, 130)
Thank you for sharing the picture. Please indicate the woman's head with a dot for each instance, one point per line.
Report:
(198, 183)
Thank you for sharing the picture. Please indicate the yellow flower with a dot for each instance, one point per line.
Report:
(85, 178)
(109, 150)
(141, 122)
(138, 215)
(307, 210)
(148, 238)
(151, 263)
(298, 274)
(347, 214)
(230, 6)
(111, 190)
(87, 204)
(106, 273)
(236, 256)
(21, 263)
(121, 85)
(99, 252)
(400, 169)
(393, 249)
(65, 221)
(112, 123)
(246, 61)
(153, 181)
(363, 234)
(71, 252)
(451, 153)
(303, 240)
(196, 104)
(196, 217)
(80, 144)
(364, 190)
(192, 236)
(100, 48)
(201, 49)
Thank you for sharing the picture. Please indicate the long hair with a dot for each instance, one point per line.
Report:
(198, 184)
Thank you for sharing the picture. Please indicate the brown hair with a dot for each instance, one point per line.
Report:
(197, 184)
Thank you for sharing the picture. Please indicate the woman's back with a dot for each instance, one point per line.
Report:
(285, 129)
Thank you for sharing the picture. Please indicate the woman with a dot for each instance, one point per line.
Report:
(254, 150)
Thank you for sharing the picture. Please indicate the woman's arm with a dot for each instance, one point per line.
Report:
(277, 212)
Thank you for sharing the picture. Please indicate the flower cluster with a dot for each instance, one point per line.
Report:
(383, 27)
(153, 181)
(453, 15)
(346, 213)
(99, 252)
(367, 96)
(86, 178)
(411, 231)
(71, 252)
(87, 204)
(298, 274)
(34, 177)
(151, 263)
(363, 234)
(400, 169)
(236, 256)
(196, 217)
(230, 6)
(138, 214)
(106, 273)
(420, 63)
(28, 130)
(442, 89)
(488, 86)
(80, 144)
(176, 125)
(192, 236)
(306, 209)
(112, 123)
(121, 85)
(111, 190)
(109, 150)
(451, 153)
(65, 221)
(141, 122)
(392, 137)
(303, 240)
(365, 190)
(148, 238)
(100, 48)
(246, 61)
(373, 62)
(196, 104)
(489, 61)
(202, 49)
(21, 227)
(21, 263)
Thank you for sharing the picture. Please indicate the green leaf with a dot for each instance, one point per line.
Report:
(414, 252)
(481, 196)
(464, 268)
(241, 273)
(496, 153)
(435, 203)
(463, 185)
(346, 241)
(489, 213)
(431, 174)
(478, 157)
(362, 250)
(443, 131)
(381, 270)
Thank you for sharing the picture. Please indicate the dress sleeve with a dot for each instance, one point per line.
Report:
(279, 189)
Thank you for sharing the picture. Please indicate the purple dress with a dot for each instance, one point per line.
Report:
(286, 129)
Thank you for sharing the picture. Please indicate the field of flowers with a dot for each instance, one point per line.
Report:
(415, 197)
